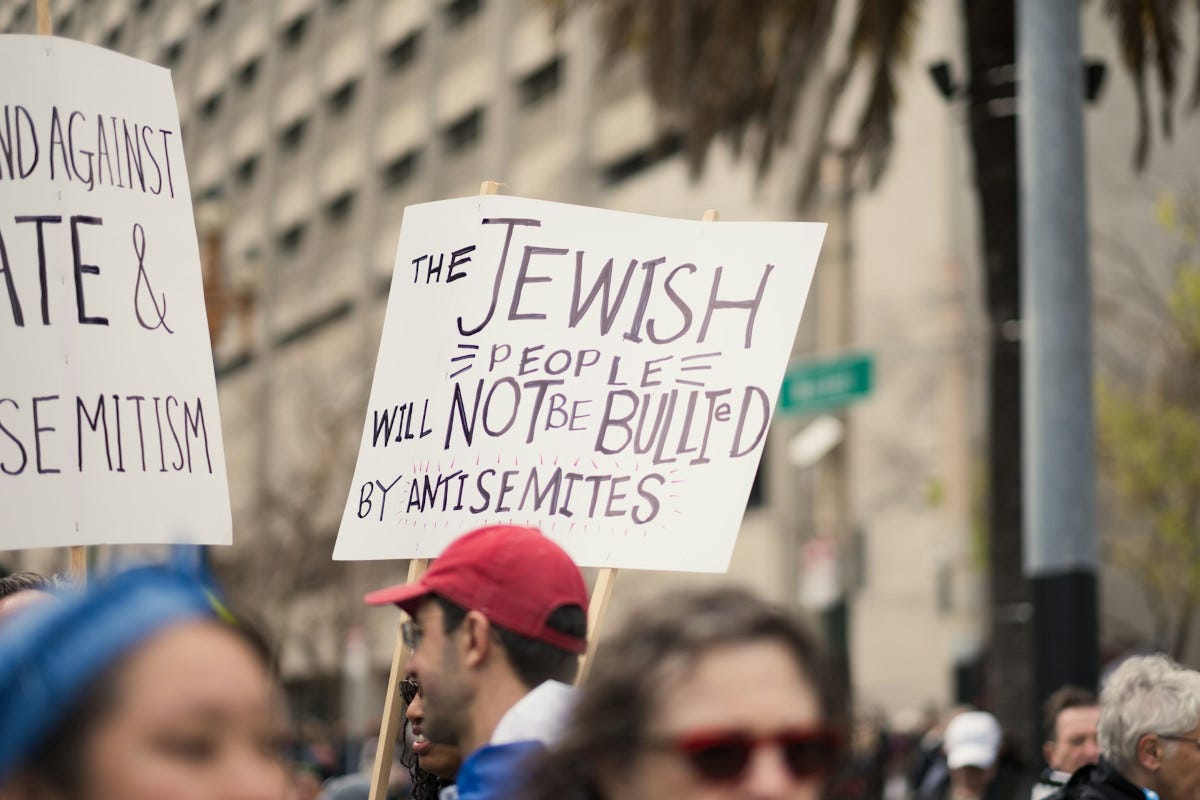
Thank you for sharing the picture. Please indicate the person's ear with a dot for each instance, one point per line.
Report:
(476, 642)
(1048, 753)
(1150, 752)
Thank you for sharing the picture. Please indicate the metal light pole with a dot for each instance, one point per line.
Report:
(1060, 551)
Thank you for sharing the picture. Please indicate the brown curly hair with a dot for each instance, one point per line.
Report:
(657, 646)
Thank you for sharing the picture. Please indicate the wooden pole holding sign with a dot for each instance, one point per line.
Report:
(392, 705)
(79, 569)
(602, 591)
(389, 728)
(597, 606)
(78, 562)
(45, 23)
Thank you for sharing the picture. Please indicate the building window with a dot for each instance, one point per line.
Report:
(246, 169)
(340, 207)
(173, 53)
(667, 145)
(403, 53)
(294, 33)
(213, 14)
(341, 97)
(211, 106)
(544, 81)
(209, 193)
(464, 132)
(248, 74)
(293, 135)
(290, 240)
(460, 12)
(144, 6)
(113, 38)
(401, 170)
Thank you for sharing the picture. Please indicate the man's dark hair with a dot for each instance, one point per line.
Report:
(1060, 701)
(534, 662)
(23, 582)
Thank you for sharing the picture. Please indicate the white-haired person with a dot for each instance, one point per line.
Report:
(1149, 735)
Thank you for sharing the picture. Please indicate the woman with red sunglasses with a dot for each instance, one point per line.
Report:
(707, 695)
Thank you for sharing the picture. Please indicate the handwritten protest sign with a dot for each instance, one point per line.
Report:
(607, 377)
(109, 429)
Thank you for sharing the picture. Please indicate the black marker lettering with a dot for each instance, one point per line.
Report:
(751, 305)
(24, 455)
(511, 223)
(41, 250)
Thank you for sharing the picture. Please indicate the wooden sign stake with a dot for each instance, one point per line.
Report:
(602, 591)
(392, 705)
(597, 607)
(45, 23)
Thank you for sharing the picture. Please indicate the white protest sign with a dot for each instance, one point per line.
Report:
(604, 376)
(109, 430)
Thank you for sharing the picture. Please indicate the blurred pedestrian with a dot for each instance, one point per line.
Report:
(705, 695)
(136, 690)
(976, 758)
(357, 785)
(1149, 735)
(498, 624)
(305, 783)
(1071, 716)
(930, 777)
(972, 745)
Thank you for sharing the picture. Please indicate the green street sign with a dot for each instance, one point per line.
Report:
(825, 385)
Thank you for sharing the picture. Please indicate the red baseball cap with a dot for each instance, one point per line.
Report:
(515, 576)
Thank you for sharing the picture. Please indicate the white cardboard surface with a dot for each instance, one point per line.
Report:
(628, 430)
(109, 428)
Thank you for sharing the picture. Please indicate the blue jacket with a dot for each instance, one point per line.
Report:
(495, 771)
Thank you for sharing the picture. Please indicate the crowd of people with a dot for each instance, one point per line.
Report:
(144, 687)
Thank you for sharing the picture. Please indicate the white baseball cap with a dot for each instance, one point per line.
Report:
(972, 740)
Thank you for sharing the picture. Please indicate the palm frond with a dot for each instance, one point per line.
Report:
(1163, 27)
(1127, 17)
(718, 70)
(807, 27)
(1194, 100)
(886, 35)
(1149, 29)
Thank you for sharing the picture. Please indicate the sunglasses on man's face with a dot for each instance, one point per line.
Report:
(409, 689)
(724, 756)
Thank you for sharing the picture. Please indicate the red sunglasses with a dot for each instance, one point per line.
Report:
(724, 756)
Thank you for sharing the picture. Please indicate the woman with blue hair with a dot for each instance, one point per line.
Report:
(136, 689)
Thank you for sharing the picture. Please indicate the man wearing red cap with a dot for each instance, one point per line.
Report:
(498, 624)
